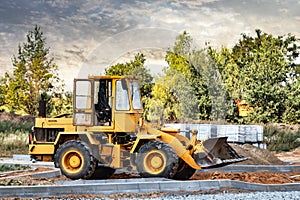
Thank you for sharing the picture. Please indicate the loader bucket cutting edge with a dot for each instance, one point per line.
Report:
(216, 152)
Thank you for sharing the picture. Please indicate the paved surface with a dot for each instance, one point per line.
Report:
(139, 186)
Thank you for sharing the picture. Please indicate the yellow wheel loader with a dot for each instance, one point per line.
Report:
(107, 133)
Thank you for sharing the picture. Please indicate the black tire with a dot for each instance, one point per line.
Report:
(75, 160)
(184, 171)
(103, 172)
(157, 159)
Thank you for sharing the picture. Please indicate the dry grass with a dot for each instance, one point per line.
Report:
(13, 143)
(14, 130)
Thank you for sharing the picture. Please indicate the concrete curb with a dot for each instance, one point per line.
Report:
(144, 185)
(254, 168)
(27, 163)
(46, 174)
(140, 186)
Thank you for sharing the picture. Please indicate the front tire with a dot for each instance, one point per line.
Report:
(75, 160)
(157, 159)
(184, 171)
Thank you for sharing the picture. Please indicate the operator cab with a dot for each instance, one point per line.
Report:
(107, 101)
(103, 102)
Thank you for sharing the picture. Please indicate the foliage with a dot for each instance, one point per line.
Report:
(13, 167)
(128, 68)
(14, 131)
(281, 139)
(178, 102)
(171, 98)
(34, 73)
(59, 104)
(7, 126)
(1, 97)
(292, 103)
(136, 68)
(261, 70)
(13, 143)
(194, 89)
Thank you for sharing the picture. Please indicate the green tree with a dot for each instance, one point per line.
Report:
(33, 74)
(136, 68)
(162, 105)
(60, 104)
(262, 71)
(200, 97)
(171, 98)
(292, 103)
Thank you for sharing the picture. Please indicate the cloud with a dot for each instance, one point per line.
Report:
(75, 29)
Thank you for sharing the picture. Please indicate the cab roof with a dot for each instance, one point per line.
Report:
(113, 77)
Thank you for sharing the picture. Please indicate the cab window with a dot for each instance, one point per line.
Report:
(135, 95)
(122, 101)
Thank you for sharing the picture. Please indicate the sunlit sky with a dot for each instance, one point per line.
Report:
(86, 36)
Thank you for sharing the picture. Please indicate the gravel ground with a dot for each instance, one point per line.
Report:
(235, 195)
(294, 195)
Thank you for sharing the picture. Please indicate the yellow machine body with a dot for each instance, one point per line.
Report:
(107, 132)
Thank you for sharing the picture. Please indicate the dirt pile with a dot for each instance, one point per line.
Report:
(23, 177)
(253, 177)
(256, 156)
(292, 156)
(25, 180)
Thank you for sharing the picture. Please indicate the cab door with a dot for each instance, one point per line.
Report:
(83, 107)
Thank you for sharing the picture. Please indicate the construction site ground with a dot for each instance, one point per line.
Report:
(256, 157)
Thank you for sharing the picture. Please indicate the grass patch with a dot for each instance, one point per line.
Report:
(281, 138)
(13, 143)
(14, 131)
(7, 126)
(5, 168)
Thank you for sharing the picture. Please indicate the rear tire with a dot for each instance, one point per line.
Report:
(184, 171)
(157, 159)
(75, 160)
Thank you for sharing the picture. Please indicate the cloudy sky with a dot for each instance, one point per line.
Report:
(86, 36)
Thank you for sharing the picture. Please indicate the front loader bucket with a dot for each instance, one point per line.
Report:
(216, 152)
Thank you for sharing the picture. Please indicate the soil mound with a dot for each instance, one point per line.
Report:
(256, 156)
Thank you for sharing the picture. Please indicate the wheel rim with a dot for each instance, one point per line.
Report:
(72, 161)
(155, 162)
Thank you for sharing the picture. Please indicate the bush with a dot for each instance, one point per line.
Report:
(280, 138)
(7, 126)
(14, 132)
(13, 143)
(4, 168)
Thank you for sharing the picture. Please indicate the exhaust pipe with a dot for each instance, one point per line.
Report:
(42, 107)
